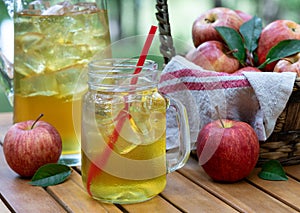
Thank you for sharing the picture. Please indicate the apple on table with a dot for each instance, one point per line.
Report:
(28, 145)
(228, 150)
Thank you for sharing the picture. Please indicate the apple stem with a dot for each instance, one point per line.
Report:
(231, 51)
(249, 60)
(41, 115)
(289, 60)
(209, 21)
(219, 116)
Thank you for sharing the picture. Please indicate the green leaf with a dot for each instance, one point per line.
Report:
(50, 174)
(272, 170)
(234, 41)
(251, 31)
(282, 49)
(3, 11)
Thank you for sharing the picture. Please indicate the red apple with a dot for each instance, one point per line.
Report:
(289, 64)
(272, 34)
(247, 69)
(245, 16)
(214, 55)
(228, 150)
(203, 27)
(29, 145)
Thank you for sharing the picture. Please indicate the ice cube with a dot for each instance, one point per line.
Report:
(126, 141)
(107, 109)
(77, 52)
(24, 24)
(32, 41)
(28, 64)
(147, 122)
(84, 7)
(61, 56)
(45, 85)
(67, 7)
(36, 7)
(145, 129)
(54, 10)
(68, 81)
(59, 9)
(88, 29)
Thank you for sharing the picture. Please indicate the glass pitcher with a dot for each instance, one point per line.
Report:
(53, 42)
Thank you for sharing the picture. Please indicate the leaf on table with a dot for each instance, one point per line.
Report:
(251, 31)
(234, 41)
(272, 170)
(50, 174)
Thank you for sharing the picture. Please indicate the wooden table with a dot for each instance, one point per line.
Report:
(187, 190)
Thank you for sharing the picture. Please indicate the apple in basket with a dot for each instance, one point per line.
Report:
(228, 150)
(289, 64)
(214, 55)
(247, 69)
(243, 15)
(272, 34)
(29, 145)
(203, 26)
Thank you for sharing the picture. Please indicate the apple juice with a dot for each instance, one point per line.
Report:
(51, 51)
(30, 106)
(133, 168)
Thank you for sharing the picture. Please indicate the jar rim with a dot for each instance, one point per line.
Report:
(119, 73)
(121, 63)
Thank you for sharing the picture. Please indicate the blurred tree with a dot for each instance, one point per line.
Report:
(3, 11)
(4, 104)
(218, 3)
(270, 10)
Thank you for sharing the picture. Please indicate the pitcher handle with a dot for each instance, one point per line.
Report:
(184, 148)
(6, 77)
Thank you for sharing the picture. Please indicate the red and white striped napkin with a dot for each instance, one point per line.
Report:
(257, 98)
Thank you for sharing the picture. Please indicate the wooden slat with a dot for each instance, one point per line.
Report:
(156, 204)
(293, 171)
(22, 196)
(73, 196)
(192, 198)
(286, 191)
(241, 195)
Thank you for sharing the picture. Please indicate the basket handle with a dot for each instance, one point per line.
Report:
(167, 47)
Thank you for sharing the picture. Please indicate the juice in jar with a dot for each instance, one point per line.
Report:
(51, 52)
(134, 169)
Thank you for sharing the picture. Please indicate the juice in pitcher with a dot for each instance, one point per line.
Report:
(53, 45)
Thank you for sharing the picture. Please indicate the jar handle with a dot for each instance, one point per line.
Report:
(184, 148)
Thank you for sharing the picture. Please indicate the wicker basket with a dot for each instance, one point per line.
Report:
(284, 142)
